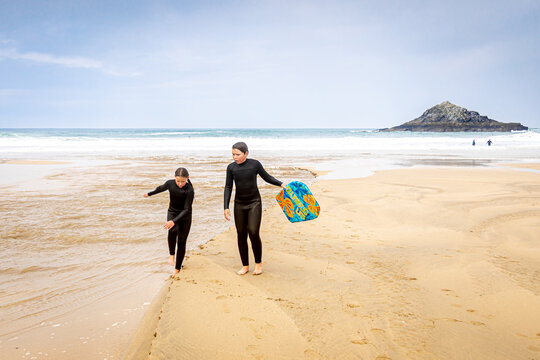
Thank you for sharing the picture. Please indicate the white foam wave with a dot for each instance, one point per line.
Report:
(369, 143)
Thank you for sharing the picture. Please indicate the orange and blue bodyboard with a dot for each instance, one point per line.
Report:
(297, 202)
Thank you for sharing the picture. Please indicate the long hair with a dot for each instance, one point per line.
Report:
(183, 172)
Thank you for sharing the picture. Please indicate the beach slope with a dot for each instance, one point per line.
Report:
(405, 264)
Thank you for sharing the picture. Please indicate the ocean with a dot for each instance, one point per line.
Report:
(290, 145)
(77, 231)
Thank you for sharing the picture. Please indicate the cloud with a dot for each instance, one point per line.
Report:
(68, 61)
(64, 61)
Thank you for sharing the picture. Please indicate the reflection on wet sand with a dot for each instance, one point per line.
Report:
(92, 237)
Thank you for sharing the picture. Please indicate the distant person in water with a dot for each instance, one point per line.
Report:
(489, 142)
(473, 143)
(178, 223)
(247, 203)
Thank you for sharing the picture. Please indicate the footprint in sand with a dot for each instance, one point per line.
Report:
(253, 350)
(378, 331)
(363, 341)
(470, 310)
(312, 354)
(225, 308)
(383, 357)
(477, 323)
(449, 292)
(221, 297)
(350, 262)
(267, 326)
(246, 319)
(452, 320)
(275, 299)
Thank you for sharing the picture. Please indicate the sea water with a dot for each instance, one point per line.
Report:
(288, 145)
(76, 229)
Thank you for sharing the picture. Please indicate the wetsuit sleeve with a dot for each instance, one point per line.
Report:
(187, 206)
(266, 176)
(228, 188)
(160, 188)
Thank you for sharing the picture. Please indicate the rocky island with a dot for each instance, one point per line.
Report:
(447, 117)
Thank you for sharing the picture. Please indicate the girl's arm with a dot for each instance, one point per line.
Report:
(228, 188)
(266, 176)
(160, 188)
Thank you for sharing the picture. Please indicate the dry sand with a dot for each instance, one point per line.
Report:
(406, 264)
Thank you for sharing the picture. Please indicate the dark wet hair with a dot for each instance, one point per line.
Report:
(181, 172)
(241, 146)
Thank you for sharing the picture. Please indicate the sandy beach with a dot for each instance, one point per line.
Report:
(424, 263)
(83, 254)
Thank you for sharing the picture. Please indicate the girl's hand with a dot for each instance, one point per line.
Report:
(227, 214)
(283, 185)
(145, 195)
(168, 225)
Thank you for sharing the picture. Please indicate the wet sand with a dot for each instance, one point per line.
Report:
(83, 254)
(429, 263)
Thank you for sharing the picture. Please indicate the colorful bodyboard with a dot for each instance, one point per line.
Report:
(297, 202)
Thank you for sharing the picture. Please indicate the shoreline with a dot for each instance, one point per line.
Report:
(57, 331)
(89, 291)
(278, 305)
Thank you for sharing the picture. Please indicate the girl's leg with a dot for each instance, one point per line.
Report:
(253, 227)
(240, 220)
(172, 235)
(183, 232)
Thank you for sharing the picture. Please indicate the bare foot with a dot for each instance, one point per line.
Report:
(171, 260)
(243, 271)
(258, 269)
(176, 271)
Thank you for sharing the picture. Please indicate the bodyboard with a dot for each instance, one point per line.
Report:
(297, 202)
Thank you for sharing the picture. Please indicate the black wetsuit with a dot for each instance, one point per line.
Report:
(179, 212)
(247, 204)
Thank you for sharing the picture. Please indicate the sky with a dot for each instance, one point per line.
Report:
(264, 64)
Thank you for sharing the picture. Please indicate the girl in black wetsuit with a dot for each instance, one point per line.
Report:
(247, 203)
(178, 215)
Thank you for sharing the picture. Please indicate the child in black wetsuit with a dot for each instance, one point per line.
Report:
(247, 203)
(178, 215)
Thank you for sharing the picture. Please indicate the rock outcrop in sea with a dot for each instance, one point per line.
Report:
(447, 117)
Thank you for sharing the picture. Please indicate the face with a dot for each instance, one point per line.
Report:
(238, 156)
(181, 181)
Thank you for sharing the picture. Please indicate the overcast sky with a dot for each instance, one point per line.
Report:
(185, 64)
